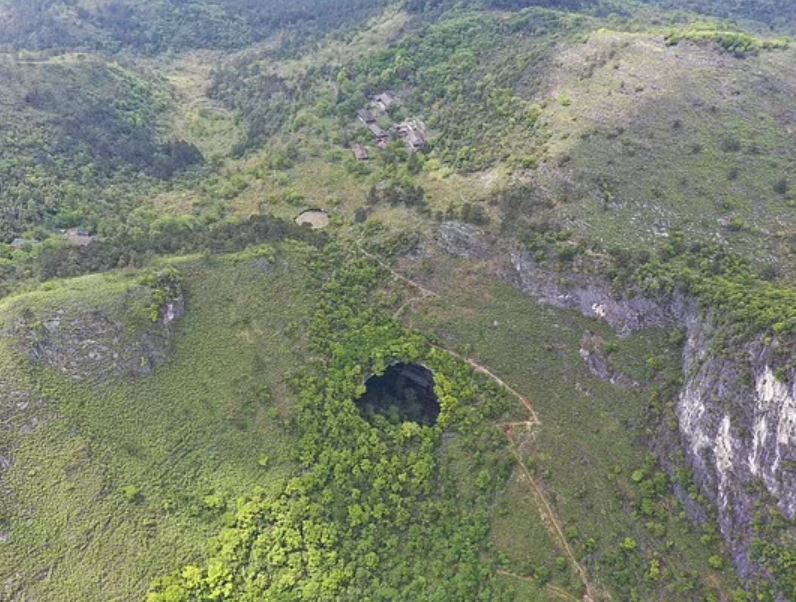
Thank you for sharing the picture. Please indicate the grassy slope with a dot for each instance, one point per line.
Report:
(590, 443)
(779, 14)
(197, 428)
(649, 138)
(634, 138)
(156, 26)
(91, 445)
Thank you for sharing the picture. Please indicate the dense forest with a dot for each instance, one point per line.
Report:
(779, 14)
(76, 127)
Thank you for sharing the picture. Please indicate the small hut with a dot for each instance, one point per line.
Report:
(360, 152)
(413, 134)
(385, 101)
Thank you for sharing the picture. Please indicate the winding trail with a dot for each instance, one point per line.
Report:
(481, 369)
(554, 590)
(427, 292)
(551, 519)
(546, 510)
(406, 304)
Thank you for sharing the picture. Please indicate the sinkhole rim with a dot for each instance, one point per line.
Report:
(404, 392)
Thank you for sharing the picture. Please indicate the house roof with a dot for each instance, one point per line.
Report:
(360, 152)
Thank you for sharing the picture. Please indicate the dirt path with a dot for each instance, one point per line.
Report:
(551, 519)
(549, 516)
(554, 590)
(406, 304)
(545, 508)
(398, 275)
(481, 369)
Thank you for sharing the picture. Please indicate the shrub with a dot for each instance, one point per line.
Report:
(628, 545)
(132, 493)
(716, 562)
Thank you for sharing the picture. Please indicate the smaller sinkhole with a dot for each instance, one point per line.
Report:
(404, 393)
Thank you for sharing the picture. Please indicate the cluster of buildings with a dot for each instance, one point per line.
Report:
(74, 236)
(375, 118)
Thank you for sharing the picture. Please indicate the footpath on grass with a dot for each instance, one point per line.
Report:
(548, 514)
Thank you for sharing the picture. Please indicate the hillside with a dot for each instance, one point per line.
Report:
(535, 341)
(166, 25)
(75, 128)
(775, 14)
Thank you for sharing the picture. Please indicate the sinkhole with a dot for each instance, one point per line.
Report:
(404, 393)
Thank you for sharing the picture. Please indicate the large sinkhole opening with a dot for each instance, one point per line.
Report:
(404, 393)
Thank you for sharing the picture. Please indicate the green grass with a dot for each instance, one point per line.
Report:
(520, 536)
(655, 139)
(123, 481)
(593, 438)
(737, 42)
(609, 132)
(191, 439)
(98, 291)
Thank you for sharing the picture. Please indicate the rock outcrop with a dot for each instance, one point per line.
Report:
(91, 344)
(463, 240)
(594, 353)
(736, 410)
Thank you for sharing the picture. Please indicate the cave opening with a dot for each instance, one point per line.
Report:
(404, 393)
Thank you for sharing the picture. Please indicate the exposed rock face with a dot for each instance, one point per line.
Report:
(462, 240)
(736, 410)
(593, 352)
(592, 297)
(93, 345)
(737, 432)
(773, 454)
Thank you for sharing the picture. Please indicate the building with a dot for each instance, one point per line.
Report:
(413, 134)
(79, 238)
(385, 101)
(366, 117)
(22, 243)
(382, 136)
(360, 152)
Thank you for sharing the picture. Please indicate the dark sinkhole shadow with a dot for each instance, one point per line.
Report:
(404, 393)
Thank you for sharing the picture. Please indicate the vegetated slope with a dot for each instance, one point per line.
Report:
(74, 126)
(636, 154)
(161, 25)
(619, 135)
(389, 511)
(112, 478)
(738, 335)
(647, 139)
(779, 14)
(566, 135)
(591, 452)
(457, 72)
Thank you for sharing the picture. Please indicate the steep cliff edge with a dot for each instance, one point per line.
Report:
(736, 409)
(128, 332)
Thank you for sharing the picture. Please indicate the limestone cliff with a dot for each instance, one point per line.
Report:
(736, 410)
